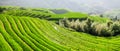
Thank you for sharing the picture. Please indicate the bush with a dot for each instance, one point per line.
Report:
(64, 22)
(83, 26)
(101, 29)
(72, 24)
(91, 27)
(116, 28)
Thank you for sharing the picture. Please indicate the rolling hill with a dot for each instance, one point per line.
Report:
(25, 33)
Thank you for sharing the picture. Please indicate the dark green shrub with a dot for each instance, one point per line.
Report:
(76, 24)
(64, 22)
(109, 24)
(83, 26)
(94, 28)
(101, 29)
(61, 23)
(72, 23)
(116, 28)
(107, 32)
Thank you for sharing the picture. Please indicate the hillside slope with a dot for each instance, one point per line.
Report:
(33, 34)
(20, 34)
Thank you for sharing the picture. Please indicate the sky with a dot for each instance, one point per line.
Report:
(99, 5)
(75, 5)
(102, 3)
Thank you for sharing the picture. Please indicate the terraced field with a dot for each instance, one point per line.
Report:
(19, 36)
(28, 34)
(19, 32)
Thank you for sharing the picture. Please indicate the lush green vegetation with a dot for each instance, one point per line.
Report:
(70, 15)
(24, 35)
(22, 30)
(93, 27)
(20, 11)
(99, 19)
(29, 13)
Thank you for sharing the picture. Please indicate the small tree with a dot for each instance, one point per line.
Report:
(101, 15)
(72, 23)
(76, 24)
(101, 30)
(116, 28)
(109, 24)
(83, 26)
(67, 22)
(61, 23)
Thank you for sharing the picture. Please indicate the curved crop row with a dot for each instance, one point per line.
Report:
(19, 37)
(29, 13)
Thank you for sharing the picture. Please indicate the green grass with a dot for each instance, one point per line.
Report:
(4, 44)
(27, 13)
(70, 15)
(78, 15)
(99, 19)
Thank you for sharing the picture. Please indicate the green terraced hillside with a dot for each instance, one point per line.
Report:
(70, 15)
(20, 34)
(23, 30)
(28, 34)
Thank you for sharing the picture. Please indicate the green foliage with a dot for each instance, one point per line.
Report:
(70, 15)
(101, 30)
(21, 11)
(99, 19)
(92, 27)
(116, 28)
(27, 13)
